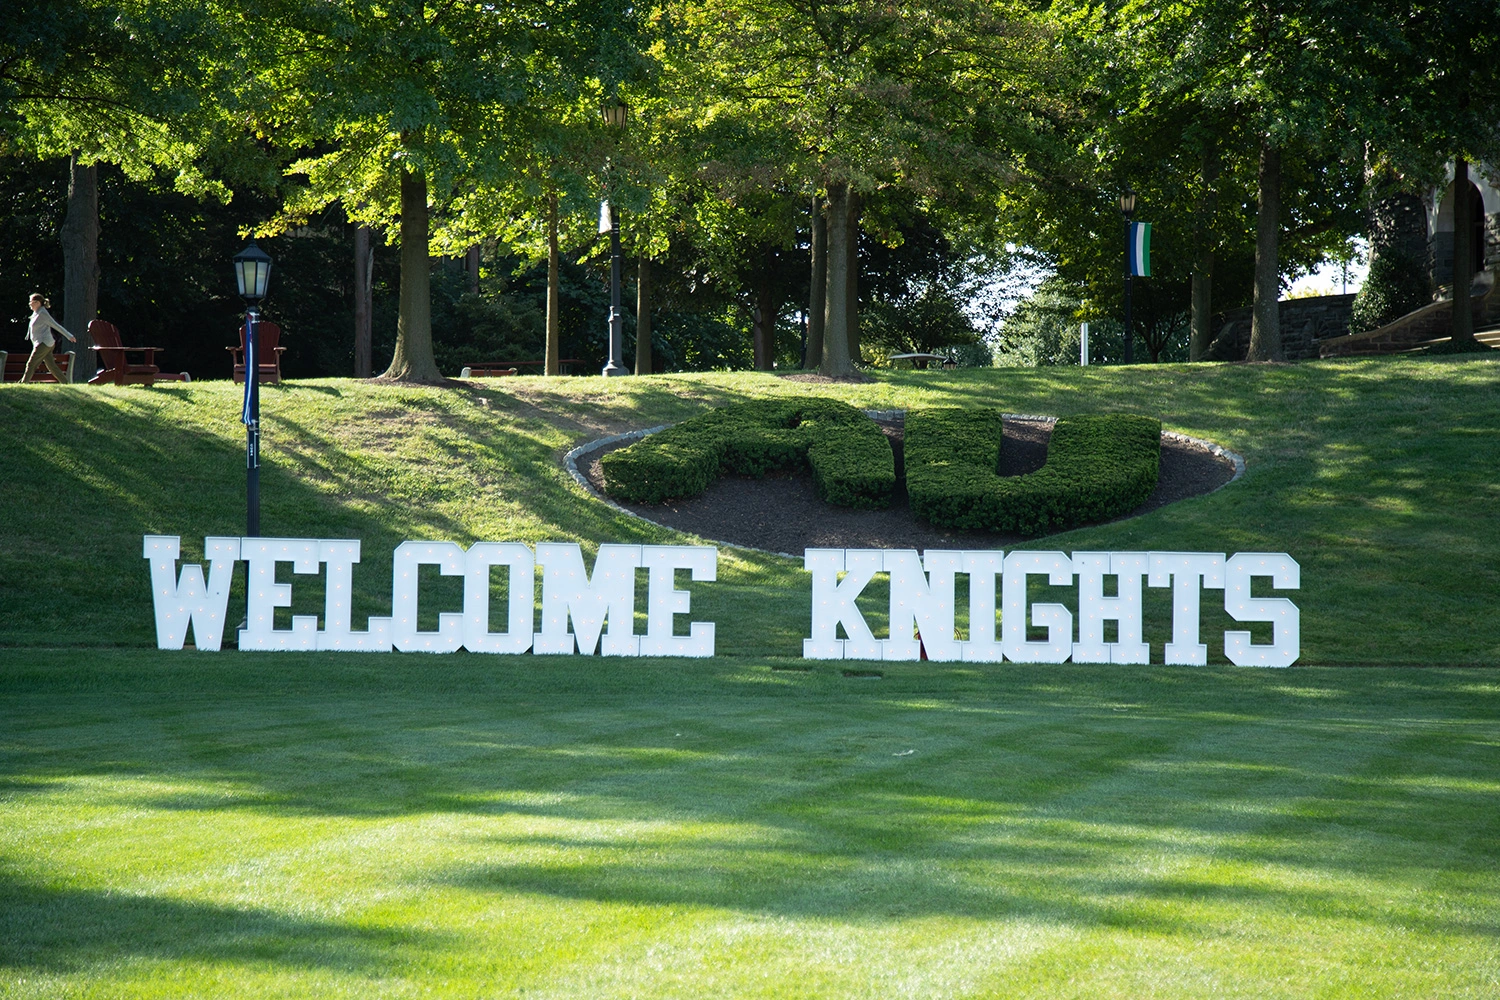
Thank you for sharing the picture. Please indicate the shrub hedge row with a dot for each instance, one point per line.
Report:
(851, 460)
(1098, 467)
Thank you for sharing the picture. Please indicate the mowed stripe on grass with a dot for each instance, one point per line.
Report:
(333, 825)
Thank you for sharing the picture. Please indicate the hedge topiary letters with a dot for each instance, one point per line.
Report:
(1098, 467)
(851, 460)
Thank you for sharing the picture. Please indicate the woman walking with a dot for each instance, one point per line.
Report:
(39, 332)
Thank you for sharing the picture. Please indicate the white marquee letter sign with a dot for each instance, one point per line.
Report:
(922, 593)
(448, 557)
(520, 601)
(184, 600)
(664, 602)
(340, 555)
(600, 605)
(568, 592)
(1094, 609)
(929, 604)
(265, 595)
(1058, 620)
(1285, 644)
(833, 603)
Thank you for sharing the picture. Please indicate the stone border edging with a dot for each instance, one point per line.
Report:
(1219, 451)
(570, 462)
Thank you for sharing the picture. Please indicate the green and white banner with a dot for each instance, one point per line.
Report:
(1140, 249)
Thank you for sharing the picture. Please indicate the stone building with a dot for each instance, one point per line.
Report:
(1484, 223)
(1420, 227)
(1416, 227)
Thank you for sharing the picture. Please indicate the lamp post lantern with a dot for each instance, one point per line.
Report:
(1127, 209)
(609, 220)
(252, 272)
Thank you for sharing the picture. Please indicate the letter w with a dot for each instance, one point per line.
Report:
(182, 601)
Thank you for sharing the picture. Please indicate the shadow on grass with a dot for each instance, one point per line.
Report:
(1150, 798)
(1048, 863)
(65, 930)
(793, 884)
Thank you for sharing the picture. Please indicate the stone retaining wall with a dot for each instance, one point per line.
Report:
(1304, 322)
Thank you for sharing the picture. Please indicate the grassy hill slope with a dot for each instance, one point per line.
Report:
(1381, 477)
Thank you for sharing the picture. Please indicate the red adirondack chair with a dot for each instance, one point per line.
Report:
(114, 364)
(268, 347)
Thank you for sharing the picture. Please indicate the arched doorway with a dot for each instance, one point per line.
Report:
(1442, 237)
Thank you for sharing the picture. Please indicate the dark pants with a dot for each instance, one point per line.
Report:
(42, 355)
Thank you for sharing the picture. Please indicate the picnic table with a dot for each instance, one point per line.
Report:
(921, 359)
(495, 369)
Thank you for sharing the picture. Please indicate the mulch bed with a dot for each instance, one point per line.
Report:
(784, 514)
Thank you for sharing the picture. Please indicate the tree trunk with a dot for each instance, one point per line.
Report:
(835, 360)
(80, 245)
(1265, 322)
(1201, 333)
(471, 268)
(643, 316)
(1462, 331)
(763, 335)
(364, 266)
(554, 299)
(413, 360)
(817, 287)
(856, 354)
(1152, 338)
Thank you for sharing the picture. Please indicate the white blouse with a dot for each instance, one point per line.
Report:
(39, 330)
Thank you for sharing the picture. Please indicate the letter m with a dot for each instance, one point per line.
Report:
(186, 600)
(569, 593)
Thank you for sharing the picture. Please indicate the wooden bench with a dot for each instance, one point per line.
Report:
(13, 366)
(497, 369)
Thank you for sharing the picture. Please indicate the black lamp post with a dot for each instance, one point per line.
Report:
(252, 272)
(1127, 209)
(609, 216)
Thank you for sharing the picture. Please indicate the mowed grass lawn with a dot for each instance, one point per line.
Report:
(323, 825)
(469, 826)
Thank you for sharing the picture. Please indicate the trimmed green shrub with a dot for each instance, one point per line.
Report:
(1098, 467)
(851, 460)
(1396, 285)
